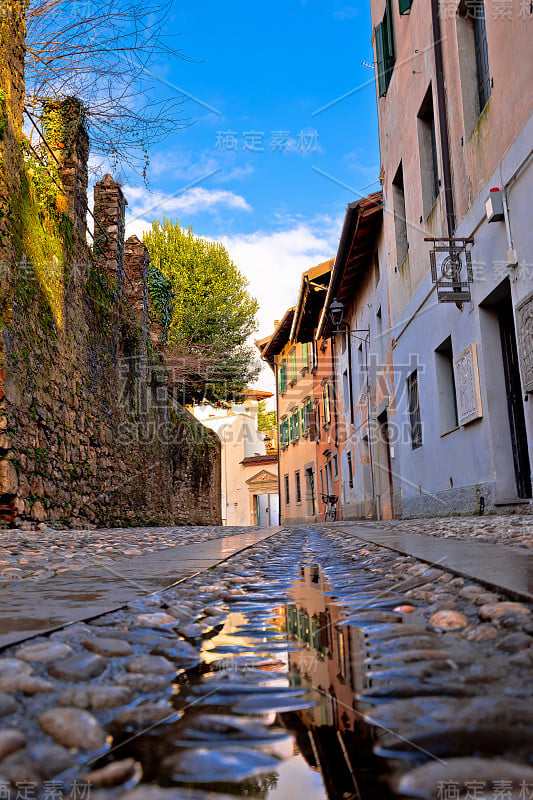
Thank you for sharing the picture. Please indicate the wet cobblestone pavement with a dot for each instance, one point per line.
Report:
(311, 665)
(508, 530)
(44, 554)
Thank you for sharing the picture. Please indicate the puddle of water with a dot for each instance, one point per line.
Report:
(238, 708)
(273, 710)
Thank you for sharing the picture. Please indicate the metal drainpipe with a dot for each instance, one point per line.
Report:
(443, 121)
(276, 368)
(370, 426)
(334, 392)
(349, 335)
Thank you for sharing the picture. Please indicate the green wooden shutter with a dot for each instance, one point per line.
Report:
(305, 355)
(380, 58)
(405, 6)
(387, 19)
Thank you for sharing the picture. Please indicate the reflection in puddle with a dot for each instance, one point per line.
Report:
(271, 712)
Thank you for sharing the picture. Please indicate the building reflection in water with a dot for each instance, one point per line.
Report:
(328, 661)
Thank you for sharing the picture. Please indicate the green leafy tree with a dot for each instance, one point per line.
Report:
(266, 420)
(207, 311)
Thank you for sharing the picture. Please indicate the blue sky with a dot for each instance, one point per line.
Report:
(248, 169)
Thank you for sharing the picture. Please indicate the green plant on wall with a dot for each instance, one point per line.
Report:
(40, 248)
(163, 299)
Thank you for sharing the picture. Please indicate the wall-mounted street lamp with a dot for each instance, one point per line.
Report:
(336, 313)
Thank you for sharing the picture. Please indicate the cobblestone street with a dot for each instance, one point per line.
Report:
(309, 664)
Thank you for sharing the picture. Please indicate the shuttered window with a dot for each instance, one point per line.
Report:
(482, 53)
(385, 55)
(282, 378)
(405, 6)
(296, 418)
(327, 408)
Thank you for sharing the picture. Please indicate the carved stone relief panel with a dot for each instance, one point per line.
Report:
(466, 369)
(524, 335)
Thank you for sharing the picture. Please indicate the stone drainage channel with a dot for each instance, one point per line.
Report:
(313, 665)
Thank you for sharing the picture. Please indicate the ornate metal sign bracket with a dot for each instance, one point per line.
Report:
(455, 268)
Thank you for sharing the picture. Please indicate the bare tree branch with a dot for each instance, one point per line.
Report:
(108, 54)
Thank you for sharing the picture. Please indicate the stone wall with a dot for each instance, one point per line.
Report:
(88, 434)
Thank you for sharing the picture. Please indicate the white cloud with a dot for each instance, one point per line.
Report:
(273, 262)
(144, 206)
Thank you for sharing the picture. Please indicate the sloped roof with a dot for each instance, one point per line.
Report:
(356, 246)
(313, 291)
(269, 458)
(279, 338)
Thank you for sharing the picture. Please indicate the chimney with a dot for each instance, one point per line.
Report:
(109, 229)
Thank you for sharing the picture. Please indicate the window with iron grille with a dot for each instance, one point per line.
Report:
(298, 487)
(287, 491)
(350, 470)
(413, 401)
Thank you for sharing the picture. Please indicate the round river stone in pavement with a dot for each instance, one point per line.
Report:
(426, 781)
(73, 727)
(448, 620)
(79, 667)
(157, 620)
(10, 742)
(146, 714)
(27, 684)
(208, 766)
(144, 683)
(108, 647)
(183, 653)
(51, 759)
(493, 611)
(44, 652)
(8, 705)
(113, 774)
(97, 697)
(13, 668)
(151, 665)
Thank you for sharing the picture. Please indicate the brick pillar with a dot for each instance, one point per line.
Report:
(64, 126)
(136, 263)
(109, 227)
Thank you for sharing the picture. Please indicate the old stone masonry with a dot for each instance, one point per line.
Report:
(91, 432)
(311, 662)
